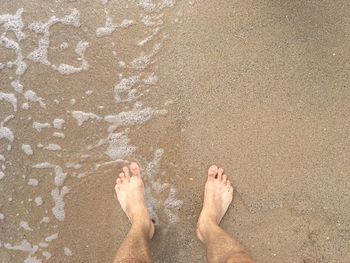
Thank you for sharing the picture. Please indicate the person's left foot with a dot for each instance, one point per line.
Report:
(131, 196)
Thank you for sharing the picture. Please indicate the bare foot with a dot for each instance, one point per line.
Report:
(218, 196)
(131, 196)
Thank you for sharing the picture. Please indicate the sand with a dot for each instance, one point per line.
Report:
(260, 88)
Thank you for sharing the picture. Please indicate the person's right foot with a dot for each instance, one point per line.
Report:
(131, 196)
(218, 196)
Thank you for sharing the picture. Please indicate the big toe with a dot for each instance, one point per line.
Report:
(212, 172)
(135, 169)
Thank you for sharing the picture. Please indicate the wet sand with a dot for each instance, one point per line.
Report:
(258, 87)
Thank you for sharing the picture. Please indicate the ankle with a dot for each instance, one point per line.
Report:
(204, 228)
(146, 226)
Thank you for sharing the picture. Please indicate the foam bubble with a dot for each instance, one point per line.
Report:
(39, 55)
(39, 126)
(60, 176)
(43, 165)
(82, 117)
(53, 147)
(67, 251)
(2, 216)
(32, 96)
(45, 220)
(144, 60)
(58, 209)
(135, 116)
(6, 133)
(23, 246)
(14, 23)
(38, 200)
(31, 259)
(119, 147)
(126, 85)
(80, 49)
(46, 254)
(17, 86)
(27, 149)
(33, 182)
(126, 23)
(58, 135)
(58, 123)
(25, 226)
(51, 237)
(107, 29)
(10, 98)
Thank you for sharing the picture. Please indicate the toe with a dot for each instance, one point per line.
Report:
(122, 177)
(135, 169)
(224, 179)
(118, 181)
(126, 172)
(212, 172)
(230, 190)
(220, 172)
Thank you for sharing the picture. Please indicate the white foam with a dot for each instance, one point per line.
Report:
(58, 123)
(51, 237)
(43, 244)
(64, 45)
(17, 86)
(43, 165)
(107, 29)
(148, 38)
(67, 251)
(171, 204)
(53, 147)
(2, 216)
(38, 200)
(82, 117)
(2, 158)
(135, 116)
(153, 166)
(32, 96)
(39, 55)
(39, 126)
(126, 85)
(58, 135)
(25, 106)
(60, 176)
(144, 60)
(152, 20)
(27, 149)
(80, 50)
(119, 147)
(147, 5)
(33, 182)
(126, 23)
(46, 254)
(45, 220)
(58, 209)
(14, 23)
(25, 226)
(2, 175)
(10, 98)
(6, 133)
(23, 246)
(31, 259)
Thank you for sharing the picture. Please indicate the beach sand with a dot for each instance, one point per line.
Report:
(260, 88)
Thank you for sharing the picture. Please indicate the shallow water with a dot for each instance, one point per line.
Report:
(258, 87)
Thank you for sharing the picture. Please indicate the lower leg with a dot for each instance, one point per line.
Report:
(217, 198)
(130, 193)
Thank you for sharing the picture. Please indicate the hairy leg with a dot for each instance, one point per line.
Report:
(217, 198)
(131, 196)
